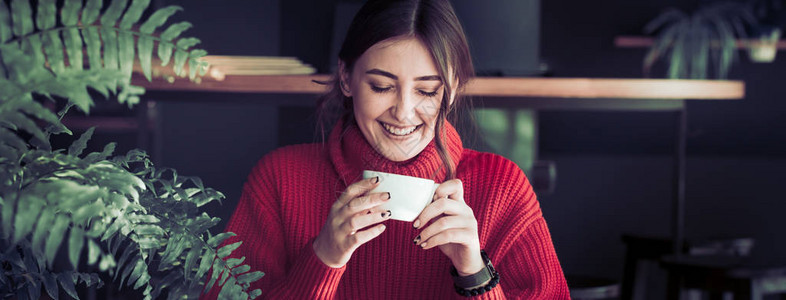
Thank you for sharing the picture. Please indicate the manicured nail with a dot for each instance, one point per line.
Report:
(376, 179)
(386, 214)
(417, 224)
(423, 245)
(388, 196)
(416, 240)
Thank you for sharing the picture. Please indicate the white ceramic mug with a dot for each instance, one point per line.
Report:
(408, 195)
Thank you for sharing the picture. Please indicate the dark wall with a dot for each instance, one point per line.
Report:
(614, 168)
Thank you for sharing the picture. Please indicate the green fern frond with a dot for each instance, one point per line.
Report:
(133, 220)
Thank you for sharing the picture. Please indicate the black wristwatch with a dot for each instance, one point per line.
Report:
(488, 275)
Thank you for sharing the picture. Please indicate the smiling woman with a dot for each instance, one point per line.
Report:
(395, 91)
(312, 222)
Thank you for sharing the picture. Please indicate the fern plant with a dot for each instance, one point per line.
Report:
(694, 44)
(120, 215)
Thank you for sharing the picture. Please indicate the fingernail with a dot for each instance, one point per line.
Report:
(423, 245)
(417, 224)
(388, 196)
(376, 179)
(416, 240)
(386, 214)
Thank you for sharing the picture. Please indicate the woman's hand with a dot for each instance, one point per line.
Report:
(346, 226)
(452, 227)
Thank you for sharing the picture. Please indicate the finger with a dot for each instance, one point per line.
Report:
(363, 236)
(366, 202)
(444, 224)
(450, 236)
(453, 189)
(439, 207)
(363, 220)
(356, 189)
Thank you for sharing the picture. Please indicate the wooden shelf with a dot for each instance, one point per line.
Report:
(601, 88)
(630, 41)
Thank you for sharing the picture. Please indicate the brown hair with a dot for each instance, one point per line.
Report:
(435, 24)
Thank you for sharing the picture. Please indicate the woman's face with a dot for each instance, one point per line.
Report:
(396, 91)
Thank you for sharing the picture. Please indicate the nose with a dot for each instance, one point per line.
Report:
(404, 109)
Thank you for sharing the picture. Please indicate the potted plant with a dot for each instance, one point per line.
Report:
(694, 44)
(118, 215)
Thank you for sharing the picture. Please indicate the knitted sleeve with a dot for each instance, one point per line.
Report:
(257, 222)
(515, 235)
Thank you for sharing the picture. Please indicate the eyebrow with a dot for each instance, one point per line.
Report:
(394, 77)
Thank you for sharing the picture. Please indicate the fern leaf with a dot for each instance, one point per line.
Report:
(158, 18)
(8, 215)
(241, 269)
(50, 285)
(80, 144)
(73, 43)
(75, 243)
(143, 279)
(45, 16)
(175, 246)
(227, 250)
(32, 45)
(66, 280)
(194, 64)
(55, 238)
(133, 13)
(219, 238)
(173, 31)
(84, 214)
(228, 290)
(93, 252)
(145, 45)
(23, 122)
(53, 47)
(91, 11)
(165, 46)
(43, 224)
(11, 139)
(181, 55)
(69, 14)
(250, 277)
(113, 12)
(205, 262)
(26, 214)
(191, 259)
(93, 43)
(139, 269)
(216, 272)
(22, 17)
(126, 54)
(5, 23)
(186, 43)
(99, 156)
(109, 38)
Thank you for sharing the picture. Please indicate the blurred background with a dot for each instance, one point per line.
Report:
(614, 168)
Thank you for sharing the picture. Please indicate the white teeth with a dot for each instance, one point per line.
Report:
(398, 131)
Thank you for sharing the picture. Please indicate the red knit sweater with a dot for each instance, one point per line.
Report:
(289, 193)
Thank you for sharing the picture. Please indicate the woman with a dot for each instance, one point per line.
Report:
(306, 216)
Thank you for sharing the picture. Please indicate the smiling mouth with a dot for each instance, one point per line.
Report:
(400, 131)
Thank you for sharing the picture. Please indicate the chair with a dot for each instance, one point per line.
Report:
(641, 249)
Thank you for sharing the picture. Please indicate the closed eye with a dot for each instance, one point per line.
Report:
(428, 94)
(379, 89)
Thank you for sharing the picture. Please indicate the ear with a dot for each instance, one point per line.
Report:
(343, 77)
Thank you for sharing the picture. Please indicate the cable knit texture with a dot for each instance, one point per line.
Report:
(288, 195)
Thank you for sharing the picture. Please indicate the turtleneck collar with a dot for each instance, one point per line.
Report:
(351, 153)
